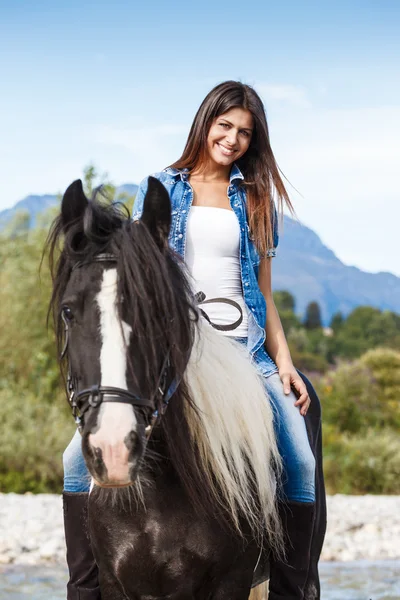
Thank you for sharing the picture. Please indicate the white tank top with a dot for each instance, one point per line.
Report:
(212, 257)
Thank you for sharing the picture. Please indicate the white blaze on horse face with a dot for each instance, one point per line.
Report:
(115, 421)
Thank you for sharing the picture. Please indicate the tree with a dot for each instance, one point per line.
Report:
(285, 303)
(19, 225)
(366, 328)
(312, 319)
(284, 300)
(89, 176)
(336, 321)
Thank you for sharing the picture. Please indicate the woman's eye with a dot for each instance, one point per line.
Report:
(224, 124)
(67, 313)
(246, 133)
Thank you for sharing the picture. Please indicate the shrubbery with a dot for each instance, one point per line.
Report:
(365, 463)
(361, 416)
(34, 434)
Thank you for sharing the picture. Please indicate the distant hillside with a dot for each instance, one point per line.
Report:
(35, 205)
(31, 205)
(311, 271)
(304, 266)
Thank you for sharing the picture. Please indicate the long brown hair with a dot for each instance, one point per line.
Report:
(262, 179)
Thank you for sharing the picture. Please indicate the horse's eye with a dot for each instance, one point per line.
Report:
(67, 313)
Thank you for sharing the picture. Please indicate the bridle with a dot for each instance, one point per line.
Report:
(93, 397)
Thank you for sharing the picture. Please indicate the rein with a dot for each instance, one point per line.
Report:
(201, 300)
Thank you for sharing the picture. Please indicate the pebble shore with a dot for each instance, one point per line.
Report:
(359, 527)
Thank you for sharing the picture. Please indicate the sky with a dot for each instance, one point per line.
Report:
(117, 84)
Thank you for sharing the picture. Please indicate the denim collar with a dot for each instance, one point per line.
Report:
(184, 173)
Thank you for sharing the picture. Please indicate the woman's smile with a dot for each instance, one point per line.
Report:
(225, 150)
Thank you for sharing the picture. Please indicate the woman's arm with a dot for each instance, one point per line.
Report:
(275, 342)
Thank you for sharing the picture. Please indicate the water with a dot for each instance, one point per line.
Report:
(361, 580)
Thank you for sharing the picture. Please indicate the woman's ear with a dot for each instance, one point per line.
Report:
(156, 213)
(73, 204)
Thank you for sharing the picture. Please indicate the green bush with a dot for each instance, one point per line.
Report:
(384, 364)
(364, 329)
(367, 463)
(364, 393)
(349, 398)
(33, 437)
(308, 350)
(361, 416)
(308, 362)
(27, 348)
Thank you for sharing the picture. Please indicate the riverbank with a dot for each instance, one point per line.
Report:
(359, 527)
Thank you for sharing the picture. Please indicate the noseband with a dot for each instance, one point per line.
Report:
(94, 396)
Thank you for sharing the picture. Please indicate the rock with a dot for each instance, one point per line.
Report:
(359, 527)
(49, 550)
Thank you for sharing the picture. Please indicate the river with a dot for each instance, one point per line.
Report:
(359, 580)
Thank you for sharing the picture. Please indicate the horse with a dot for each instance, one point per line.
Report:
(177, 433)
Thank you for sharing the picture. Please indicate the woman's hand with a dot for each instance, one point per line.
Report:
(292, 380)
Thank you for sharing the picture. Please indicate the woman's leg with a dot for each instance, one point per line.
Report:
(83, 572)
(297, 507)
(76, 475)
(298, 460)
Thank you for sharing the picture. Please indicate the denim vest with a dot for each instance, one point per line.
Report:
(181, 195)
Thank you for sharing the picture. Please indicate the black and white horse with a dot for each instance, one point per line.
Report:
(176, 430)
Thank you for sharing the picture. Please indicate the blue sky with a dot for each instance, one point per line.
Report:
(118, 83)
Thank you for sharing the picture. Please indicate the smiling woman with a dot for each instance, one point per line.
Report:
(230, 128)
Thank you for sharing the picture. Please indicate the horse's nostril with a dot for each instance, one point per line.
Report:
(98, 464)
(98, 455)
(132, 442)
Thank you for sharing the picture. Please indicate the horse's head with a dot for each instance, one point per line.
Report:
(123, 314)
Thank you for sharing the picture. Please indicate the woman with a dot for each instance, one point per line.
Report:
(224, 225)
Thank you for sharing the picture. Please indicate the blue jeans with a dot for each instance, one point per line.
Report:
(298, 478)
(298, 482)
(298, 460)
(76, 475)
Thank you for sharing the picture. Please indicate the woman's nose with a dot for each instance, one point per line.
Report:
(231, 138)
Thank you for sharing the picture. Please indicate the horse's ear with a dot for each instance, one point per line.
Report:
(156, 213)
(73, 204)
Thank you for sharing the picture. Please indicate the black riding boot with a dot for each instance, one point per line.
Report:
(83, 572)
(288, 578)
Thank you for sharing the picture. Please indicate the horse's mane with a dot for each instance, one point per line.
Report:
(231, 429)
(218, 427)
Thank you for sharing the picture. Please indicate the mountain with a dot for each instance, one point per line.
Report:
(33, 206)
(127, 188)
(304, 266)
(310, 271)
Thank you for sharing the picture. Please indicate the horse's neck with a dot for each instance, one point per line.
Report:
(157, 463)
(170, 454)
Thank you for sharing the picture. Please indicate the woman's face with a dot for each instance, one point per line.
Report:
(229, 136)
